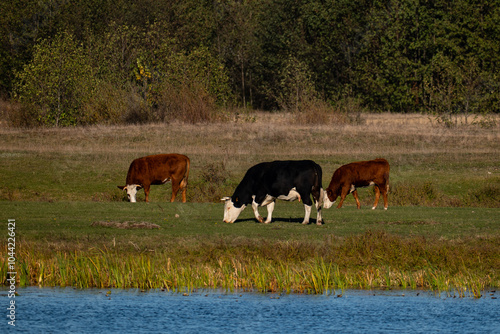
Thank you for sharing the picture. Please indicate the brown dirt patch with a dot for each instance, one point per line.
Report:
(409, 223)
(126, 225)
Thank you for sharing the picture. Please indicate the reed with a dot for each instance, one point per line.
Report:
(107, 268)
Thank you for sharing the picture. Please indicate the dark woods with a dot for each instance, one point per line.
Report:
(86, 62)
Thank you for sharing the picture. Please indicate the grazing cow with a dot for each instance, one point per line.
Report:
(355, 175)
(267, 181)
(157, 169)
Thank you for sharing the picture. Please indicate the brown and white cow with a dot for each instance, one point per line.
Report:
(355, 175)
(157, 169)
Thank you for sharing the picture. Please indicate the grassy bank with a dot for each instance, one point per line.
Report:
(445, 249)
(441, 230)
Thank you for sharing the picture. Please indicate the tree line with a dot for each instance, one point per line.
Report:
(103, 61)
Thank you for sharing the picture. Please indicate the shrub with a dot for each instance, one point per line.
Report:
(17, 114)
(212, 184)
(405, 193)
(486, 196)
(313, 112)
(109, 105)
(56, 83)
(189, 105)
(296, 86)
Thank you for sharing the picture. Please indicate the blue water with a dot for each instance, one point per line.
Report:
(67, 310)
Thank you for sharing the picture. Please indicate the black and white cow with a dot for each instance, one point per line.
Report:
(267, 181)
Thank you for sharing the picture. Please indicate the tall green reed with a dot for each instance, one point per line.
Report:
(107, 268)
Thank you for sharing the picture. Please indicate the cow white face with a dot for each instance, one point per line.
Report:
(131, 190)
(231, 212)
(327, 204)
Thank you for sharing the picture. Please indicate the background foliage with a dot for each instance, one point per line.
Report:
(88, 61)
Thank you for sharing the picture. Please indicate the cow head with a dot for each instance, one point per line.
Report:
(231, 209)
(329, 198)
(131, 190)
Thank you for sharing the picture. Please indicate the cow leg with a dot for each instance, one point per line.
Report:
(146, 191)
(317, 196)
(175, 189)
(308, 214)
(355, 194)
(377, 196)
(184, 189)
(270, 209)
(343, 194)
(341, 202)
(255, 208)
(384, 191)
(319, 218)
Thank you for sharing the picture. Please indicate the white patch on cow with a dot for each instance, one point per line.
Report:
(307, 215)
(270, 209)
(268, 200)
(231, 212)
(255, 207)
(372, 183)
(131, 190)
(166, 180)
(292, 196)
(352, 188)
(327, 204)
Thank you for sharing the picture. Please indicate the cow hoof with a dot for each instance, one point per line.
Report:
(260, 219)
(319, 223)
(305, 223)
(373, 208)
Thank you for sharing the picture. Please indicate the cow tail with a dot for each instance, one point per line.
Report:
(317, 188)
(386, 175)
(184, 181)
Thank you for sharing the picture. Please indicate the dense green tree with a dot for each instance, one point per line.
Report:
(237, 44)
(437, 56)
(57, 82)
(296, 89)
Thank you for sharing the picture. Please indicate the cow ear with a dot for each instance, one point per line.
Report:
(139, 187)
(225, 199)
(121, 187)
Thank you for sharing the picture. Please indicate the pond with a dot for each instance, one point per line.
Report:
(68, 310)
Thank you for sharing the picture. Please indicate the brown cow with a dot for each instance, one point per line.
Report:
(157, 169)
(355, 175)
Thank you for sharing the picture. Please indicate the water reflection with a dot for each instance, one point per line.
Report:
(124, 311)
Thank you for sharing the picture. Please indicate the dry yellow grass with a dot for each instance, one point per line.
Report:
(268, 134)
(420, 151)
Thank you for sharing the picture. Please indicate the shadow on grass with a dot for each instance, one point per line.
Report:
(278, 220)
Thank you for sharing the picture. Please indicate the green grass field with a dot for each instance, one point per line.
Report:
(441, 230)
(71, 222)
